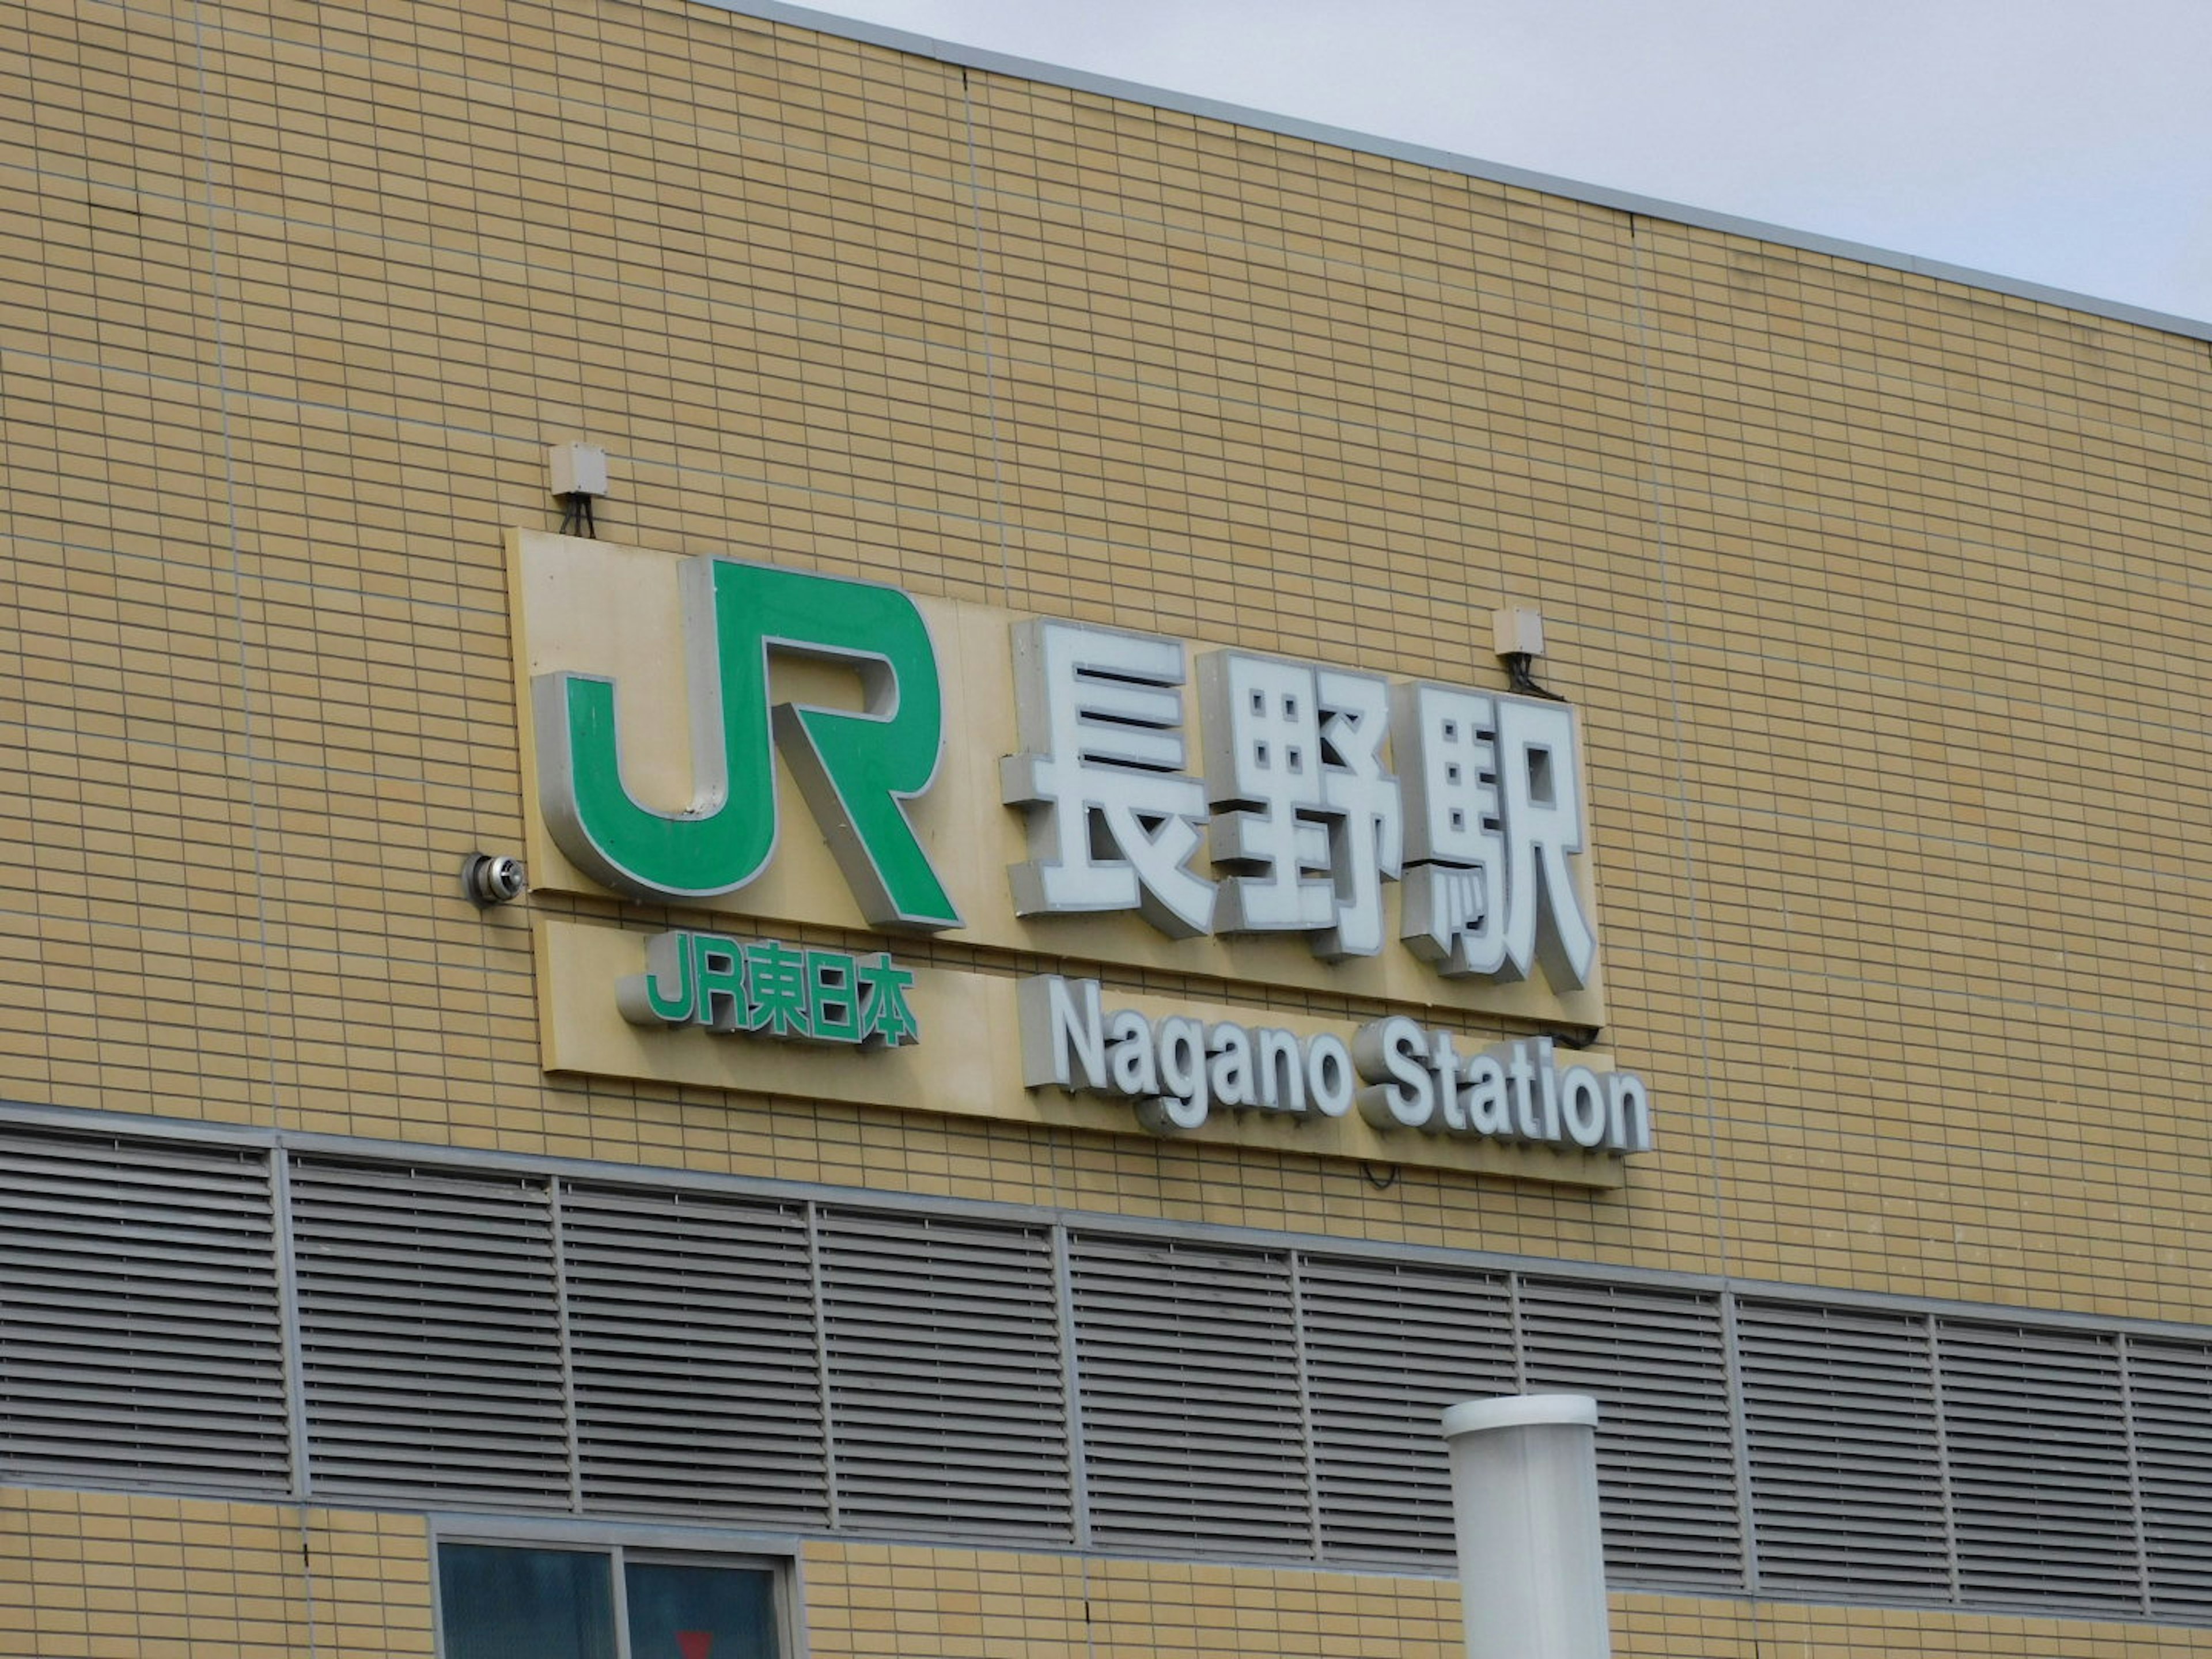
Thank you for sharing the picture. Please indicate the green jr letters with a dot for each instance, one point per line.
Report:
(856, 770)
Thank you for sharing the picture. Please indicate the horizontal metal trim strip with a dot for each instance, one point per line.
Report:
(595, 1277)
(126, 1383)
(213, 1440)
(739, 1458)
(604, 1333)
(128, 1321)
(694, 1367)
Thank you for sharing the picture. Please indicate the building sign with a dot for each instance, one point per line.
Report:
(1298, 812)
(971, 1063)
(1178, 1071)
(819, 751)
(1294, 828)
(771, 988)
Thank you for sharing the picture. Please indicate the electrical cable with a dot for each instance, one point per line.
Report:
(1522, 677)
(576, 517)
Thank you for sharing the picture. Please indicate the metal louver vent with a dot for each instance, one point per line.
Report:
(429, 1333)
(473, 1338)
(140, 1335)
(1191, 1421)
(2039, 1466)
(1839, 1405)
(2170, 1386)
(691, 1340)
(948, 1413)
(1387, 1347)
(1666, 1460)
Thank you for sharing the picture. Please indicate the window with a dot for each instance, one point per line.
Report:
(579, 1602)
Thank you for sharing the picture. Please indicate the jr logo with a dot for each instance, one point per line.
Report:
(856, 770)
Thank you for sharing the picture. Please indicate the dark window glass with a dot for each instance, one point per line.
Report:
(503, 1603)
(682, 1612)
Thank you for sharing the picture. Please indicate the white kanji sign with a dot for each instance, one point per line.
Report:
(1306, 819)
(1112, 818)
(1494, 806)
(1263, 779)
(1366, 837)
(1446, 743)
(1541, 794)
(1302, 816)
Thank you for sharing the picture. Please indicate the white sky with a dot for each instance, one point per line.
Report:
(2068, 142)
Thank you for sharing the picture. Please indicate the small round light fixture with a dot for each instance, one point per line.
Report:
(493, 879)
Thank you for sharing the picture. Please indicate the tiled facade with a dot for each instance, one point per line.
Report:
(1883, 600)
(90, 1575)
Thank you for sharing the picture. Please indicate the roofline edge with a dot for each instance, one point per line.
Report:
(1289, 126)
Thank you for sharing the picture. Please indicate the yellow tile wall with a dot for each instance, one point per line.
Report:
(102, 1575)
(864, 1602)
(1725, 1629)
(96, 1576)
(1882, 598)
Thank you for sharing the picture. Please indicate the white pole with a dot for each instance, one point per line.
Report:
(1524, 1497)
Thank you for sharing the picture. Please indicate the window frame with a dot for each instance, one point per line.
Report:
(777, 1555)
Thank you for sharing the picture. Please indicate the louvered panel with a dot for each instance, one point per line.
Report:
(430, 1335)
(1190, 1398)
(140, 1335)
(2039, 1466)
(1389, 1347)
(2171, 1385)
(140, 1345)
(691, 1340)
(1847, 1486)
(1654, 1359)
(948, 1410)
